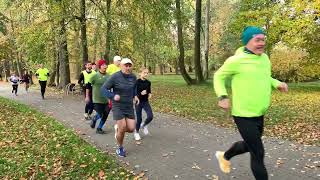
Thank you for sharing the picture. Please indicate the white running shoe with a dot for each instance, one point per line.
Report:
(145, 130)
(136, 136)
(86, 116)
(141, 125)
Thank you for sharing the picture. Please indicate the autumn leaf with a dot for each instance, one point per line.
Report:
(101, 174)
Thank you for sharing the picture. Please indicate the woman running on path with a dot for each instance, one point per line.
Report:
(121, 89)
(15, 83)
(143, 86)
(26, 79)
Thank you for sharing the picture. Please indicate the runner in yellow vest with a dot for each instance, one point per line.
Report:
(42, 75)
(115, 67)
(83, 81)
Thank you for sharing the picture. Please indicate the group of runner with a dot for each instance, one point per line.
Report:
(15, 80)
(116, 88)
(42, 74)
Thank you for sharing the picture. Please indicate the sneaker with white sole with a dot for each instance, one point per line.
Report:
(224, 164)
(145, 130)
(121, 152)
(86, 116)
(90, 117)
(136, 136)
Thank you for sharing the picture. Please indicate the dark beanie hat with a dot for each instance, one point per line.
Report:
(249, 32)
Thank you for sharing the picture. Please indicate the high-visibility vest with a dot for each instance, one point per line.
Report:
(87, 76)
(42, 74)
(112, 68)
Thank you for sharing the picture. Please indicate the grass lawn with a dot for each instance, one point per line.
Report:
(34, 146)
(294, 115)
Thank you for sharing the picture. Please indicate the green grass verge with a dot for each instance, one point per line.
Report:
(36, 146)
(294, 115)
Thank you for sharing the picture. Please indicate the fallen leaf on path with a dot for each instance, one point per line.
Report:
(139, 176)
(138, 142)
(165, 155)
(195, 166)
(279, 162)
(215, 177)
(101, 173)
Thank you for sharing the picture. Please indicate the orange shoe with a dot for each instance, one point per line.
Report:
(224, 165)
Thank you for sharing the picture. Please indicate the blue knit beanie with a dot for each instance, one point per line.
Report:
(249, 32)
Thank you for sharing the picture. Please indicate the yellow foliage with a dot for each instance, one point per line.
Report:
(291, 64)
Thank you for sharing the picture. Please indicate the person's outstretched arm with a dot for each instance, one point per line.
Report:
(106, 88)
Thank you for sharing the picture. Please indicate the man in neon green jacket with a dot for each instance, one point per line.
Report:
(251, 85)
(42, 75)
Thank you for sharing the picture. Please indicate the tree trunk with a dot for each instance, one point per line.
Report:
(63, 56)
(54, 70)
(78, 63)
(154, 69)
(162, 68)
(58, 74)
(206, 41)
(150, 69)
(53, 76)
(18, 64)
(183, 71)
(13, 67)
(176, 66)
(108, 33)
(83, 27)
(144, 40)
(197, 53)
(31, 75)
(1, 70)
(6, 69)
(95, 39)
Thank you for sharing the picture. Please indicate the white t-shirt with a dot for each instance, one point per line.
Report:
(14, 80)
